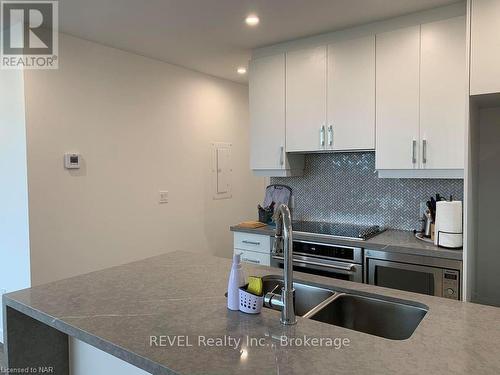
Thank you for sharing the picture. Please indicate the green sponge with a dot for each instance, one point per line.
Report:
(255, 285)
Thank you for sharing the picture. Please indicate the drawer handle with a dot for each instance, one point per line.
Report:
(251, 242)
(351, 268)
(251, 260)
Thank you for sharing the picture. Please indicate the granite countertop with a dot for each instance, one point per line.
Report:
(391, 240)
(118, 310)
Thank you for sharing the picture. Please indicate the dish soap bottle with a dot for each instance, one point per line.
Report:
(236, 280)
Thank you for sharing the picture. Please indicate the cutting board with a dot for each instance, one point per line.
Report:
(251, 224)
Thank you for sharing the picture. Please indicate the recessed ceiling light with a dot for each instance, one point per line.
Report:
(252, 20)
(241, 70)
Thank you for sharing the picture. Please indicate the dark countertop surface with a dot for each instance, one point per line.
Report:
(118, 309)
(397, 241)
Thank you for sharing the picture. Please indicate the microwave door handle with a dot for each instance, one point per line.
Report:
(349, 268)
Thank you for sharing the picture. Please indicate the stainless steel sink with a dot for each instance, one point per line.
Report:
(306, 296)
(376, 315)
(391, 320)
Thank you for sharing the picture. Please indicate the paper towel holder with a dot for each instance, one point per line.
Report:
(447, 247)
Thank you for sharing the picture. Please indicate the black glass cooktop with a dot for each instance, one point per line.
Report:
(340, 230)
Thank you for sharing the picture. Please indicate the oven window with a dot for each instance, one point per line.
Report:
(411, 281)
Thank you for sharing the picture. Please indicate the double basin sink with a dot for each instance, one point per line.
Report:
(373, 314)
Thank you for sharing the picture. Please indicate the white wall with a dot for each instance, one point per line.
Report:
(141, 126)
(14, 237)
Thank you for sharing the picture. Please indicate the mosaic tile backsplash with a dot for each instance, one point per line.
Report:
(344, 187)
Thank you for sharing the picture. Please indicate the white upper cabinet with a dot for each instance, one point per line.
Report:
(485, 47)
(397, 93)
(443, 94)
(306, 99)
(351, 95)
(267, 119)
(421, 98)
(267, 112)
(401, 92)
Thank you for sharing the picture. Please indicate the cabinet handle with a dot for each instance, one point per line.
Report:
(251, 242)
(322, 136)
(250, 260)
(414, 152)
(330, 135)
(424, 151)
(282, 156)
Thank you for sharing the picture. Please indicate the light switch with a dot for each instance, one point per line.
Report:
(163, 196)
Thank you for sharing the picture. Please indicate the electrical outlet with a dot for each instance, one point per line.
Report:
(163, 196)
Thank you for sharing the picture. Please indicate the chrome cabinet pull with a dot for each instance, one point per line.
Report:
(322, 136)
(351, 268)
(282, 156)
(251, 260)
(330, 135)
(424, 151)
(414, 152)
(251, 242)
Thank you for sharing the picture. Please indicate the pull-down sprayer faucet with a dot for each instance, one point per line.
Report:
(284, 242)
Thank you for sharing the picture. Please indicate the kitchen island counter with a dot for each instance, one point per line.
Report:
(119, 310)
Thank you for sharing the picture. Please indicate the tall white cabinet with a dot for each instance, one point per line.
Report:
(351, 95)
(485, 47)
(306, 99)
(397, 98)
(443, 94)
(267, 119)
(421, 98)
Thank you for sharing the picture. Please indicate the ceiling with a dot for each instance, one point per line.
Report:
(211, 36)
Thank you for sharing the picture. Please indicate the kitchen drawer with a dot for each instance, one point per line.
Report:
(253, 242)
(253, 257)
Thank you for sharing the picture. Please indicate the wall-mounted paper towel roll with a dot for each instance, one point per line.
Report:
(449, 225)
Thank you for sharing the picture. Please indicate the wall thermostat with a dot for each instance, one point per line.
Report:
(72, 161)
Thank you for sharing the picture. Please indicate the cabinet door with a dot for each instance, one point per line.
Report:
(397, 97)
(485, 47)
(267, 112)
(351, 94)
(443, 92)
(306, 99)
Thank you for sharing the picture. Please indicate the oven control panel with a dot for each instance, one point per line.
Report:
(451, 281)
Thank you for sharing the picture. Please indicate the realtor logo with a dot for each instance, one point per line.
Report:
(29, 35)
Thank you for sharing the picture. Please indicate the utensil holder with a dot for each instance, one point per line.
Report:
(265, 216)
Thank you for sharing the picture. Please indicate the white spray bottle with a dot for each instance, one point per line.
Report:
(236, 280)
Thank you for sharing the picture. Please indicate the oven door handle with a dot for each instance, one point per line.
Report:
(349, 268)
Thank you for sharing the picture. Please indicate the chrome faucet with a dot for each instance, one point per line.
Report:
(284, 243)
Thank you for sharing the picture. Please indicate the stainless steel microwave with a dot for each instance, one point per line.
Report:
(419, 274)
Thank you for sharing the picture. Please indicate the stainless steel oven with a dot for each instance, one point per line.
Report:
(419, 274)
(341, 262)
